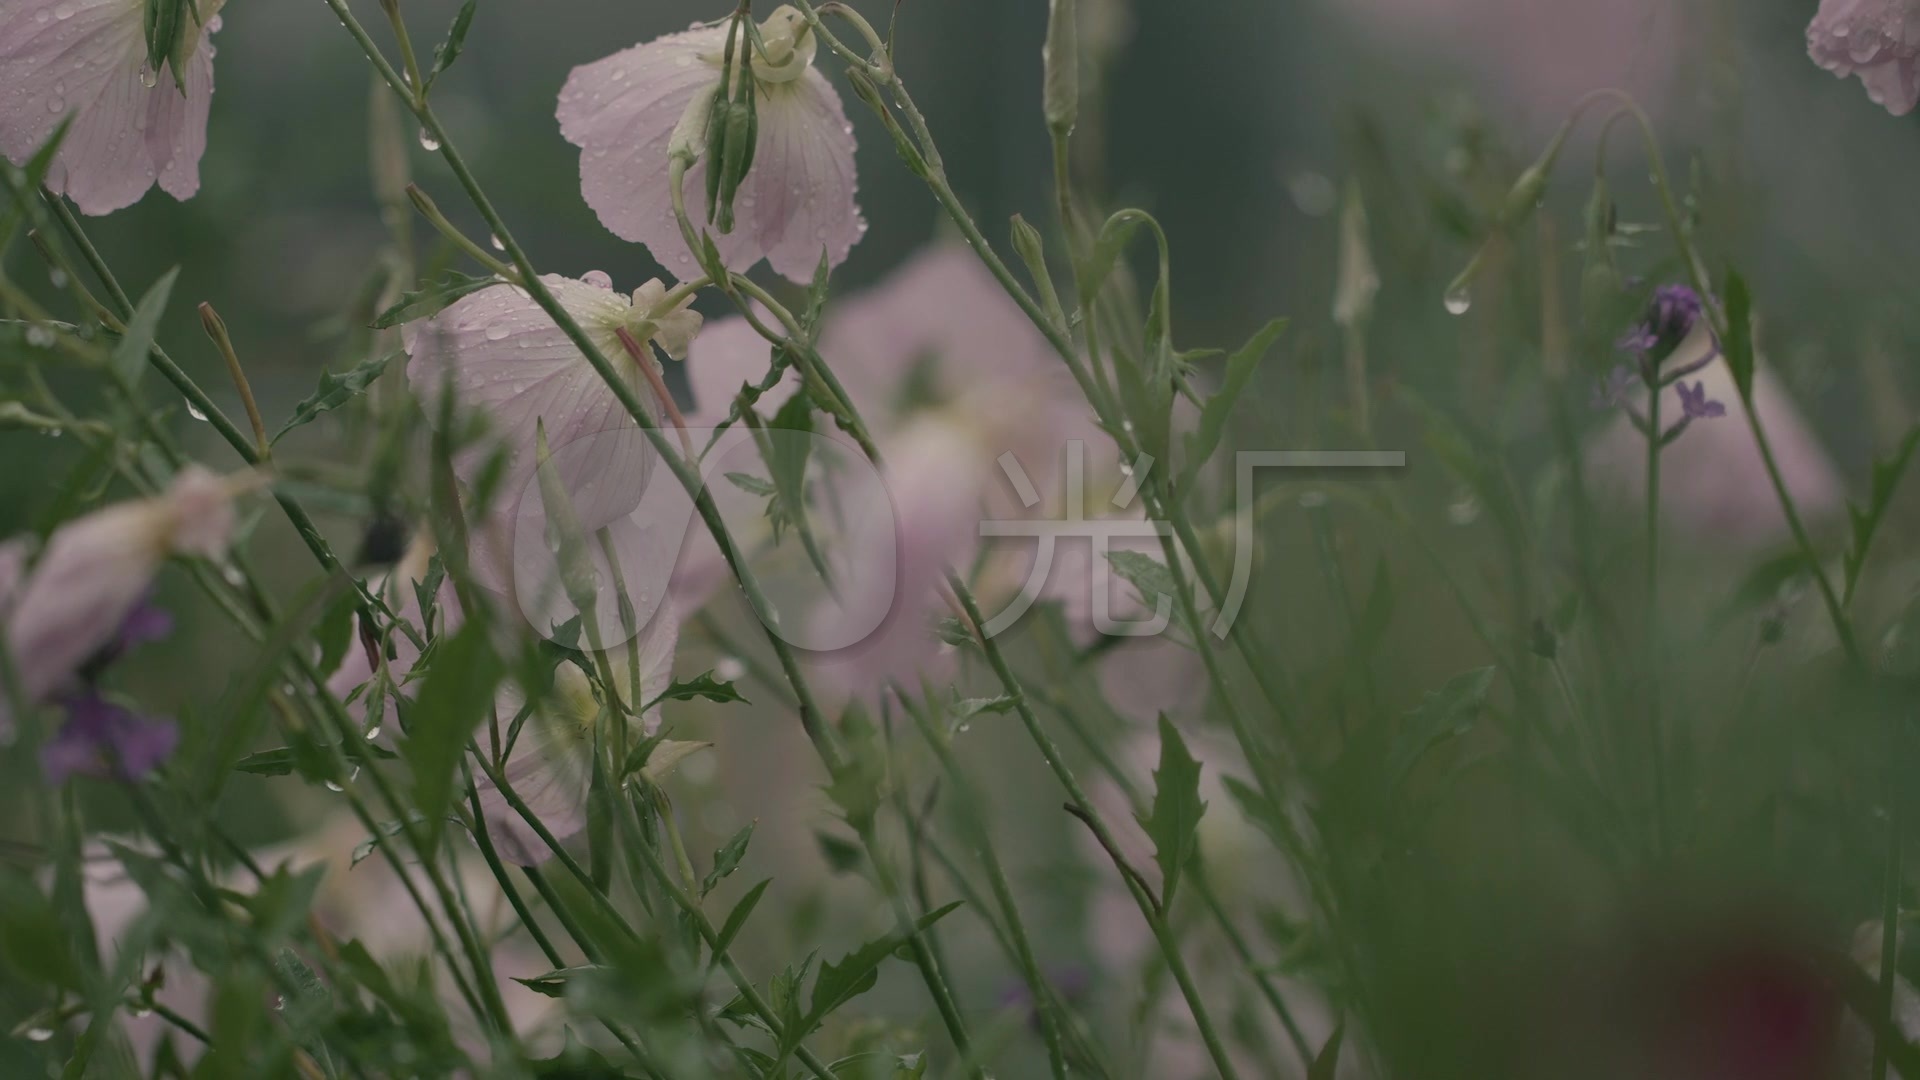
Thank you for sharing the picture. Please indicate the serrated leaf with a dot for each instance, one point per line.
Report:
(455, 696)
(856, 973)
(432, 298)
(727, 859)
(335, 391)
(1174, 821)
(1219, 408)
(703, 685)
(1151, 578)
(445, 53)
(130, 353)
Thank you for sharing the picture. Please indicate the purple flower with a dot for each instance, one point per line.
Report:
(1673, 313)
(1694, 404)
(1611, 392)
(102, 739)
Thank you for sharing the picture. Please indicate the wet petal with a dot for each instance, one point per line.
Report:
(799, 198)
(84, 58)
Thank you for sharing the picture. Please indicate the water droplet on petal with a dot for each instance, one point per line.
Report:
(599, 279)
(149, 78)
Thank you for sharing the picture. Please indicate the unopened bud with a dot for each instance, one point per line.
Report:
(1061, 61)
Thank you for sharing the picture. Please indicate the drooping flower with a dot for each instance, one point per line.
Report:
(96, 570)
(103, 739)
(498, 352)
(550, 767)
(797, 199)
(1878, 40)
(132, 126)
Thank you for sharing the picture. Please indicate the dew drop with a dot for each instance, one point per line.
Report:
(194, 411)
(40, 337)
(333, 787)
(38, 1034)
(149, 78)
(498, 244)
(1458, 300)
(55, 105)
(58, 277)
(373, 732)
(427, 142)
(729, 669)
(599, 279)
(140, 1012)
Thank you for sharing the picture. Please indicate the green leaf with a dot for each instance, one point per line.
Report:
(750, 484)
(432, 298)
(727, 859)
(1219, 408)
(843, 856)
(130, 354)
(704, 685)
(334, 634)
(1886, 479)
(554, 983)
(737, 918)
(31, 176)
(335, 391)
(1739, 343)
(280, 905)
(32, 941)
(856, 973)
(963, 710)
(1174, 822)
(448, 51)
(455, 696)
(1445, 714)
(1326, 1064)
(1152, 579)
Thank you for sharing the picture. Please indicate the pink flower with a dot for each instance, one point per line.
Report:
(498, 352)
(1878, 40)
(132, 126)
(95, 571)
(623, 112)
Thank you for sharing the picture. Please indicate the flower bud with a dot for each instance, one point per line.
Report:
(1060, 58)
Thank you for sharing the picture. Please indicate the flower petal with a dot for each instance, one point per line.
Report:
(84, 57)
(497, 350)
(799, 197)
(621, 112)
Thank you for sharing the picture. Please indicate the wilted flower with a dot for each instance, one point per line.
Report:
(625, 111)
(1878, 40)
(96, 570)
(132, 126)
(550, 767)
(103, 739)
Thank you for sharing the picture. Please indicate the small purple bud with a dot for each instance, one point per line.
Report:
(102, 739)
